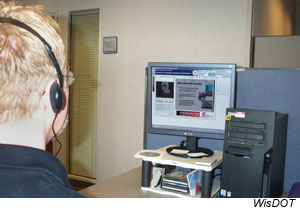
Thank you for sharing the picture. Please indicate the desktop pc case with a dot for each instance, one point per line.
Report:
(254, 153)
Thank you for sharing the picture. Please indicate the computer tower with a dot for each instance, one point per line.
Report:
(254, 153)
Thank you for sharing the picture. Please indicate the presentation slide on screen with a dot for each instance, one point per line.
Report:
(194, 95)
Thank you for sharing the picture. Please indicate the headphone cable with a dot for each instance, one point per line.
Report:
(55, 136)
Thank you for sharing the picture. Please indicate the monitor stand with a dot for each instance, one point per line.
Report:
(191, 150)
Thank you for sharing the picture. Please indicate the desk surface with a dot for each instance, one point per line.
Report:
(127, 185)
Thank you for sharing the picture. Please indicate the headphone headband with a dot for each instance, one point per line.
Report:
(47, 46)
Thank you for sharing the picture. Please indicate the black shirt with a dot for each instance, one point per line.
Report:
(28, 172)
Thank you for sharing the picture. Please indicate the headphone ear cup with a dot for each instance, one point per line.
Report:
(56, 97)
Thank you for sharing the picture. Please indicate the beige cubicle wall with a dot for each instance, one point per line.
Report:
(276, 52)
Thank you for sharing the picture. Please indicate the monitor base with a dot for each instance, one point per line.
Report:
(199, 152)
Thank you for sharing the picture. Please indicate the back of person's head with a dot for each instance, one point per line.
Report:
(25, 66)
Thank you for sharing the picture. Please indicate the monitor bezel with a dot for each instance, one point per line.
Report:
(205, 133)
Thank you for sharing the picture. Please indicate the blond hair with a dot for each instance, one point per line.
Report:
(25, 66)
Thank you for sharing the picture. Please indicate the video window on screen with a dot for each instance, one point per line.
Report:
(164, 89)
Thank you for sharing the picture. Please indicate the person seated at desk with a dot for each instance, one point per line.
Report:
(33, 103)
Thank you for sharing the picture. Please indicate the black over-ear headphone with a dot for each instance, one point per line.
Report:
(57, 96)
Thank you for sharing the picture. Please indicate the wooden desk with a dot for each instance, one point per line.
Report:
(127, 185)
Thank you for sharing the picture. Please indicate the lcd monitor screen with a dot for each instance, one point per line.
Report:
(189, 99)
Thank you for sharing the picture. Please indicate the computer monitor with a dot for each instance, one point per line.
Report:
(190, 100)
